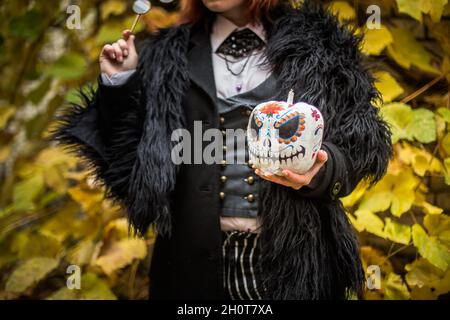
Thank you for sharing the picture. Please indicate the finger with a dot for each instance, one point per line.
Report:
(295, 178)
(108, 51)
(126, 34)
(124, 46)
(130, 43)
(322, 156)
(274, 178)
(118, 52)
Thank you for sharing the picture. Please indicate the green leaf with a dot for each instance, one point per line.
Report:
(29, 273)
(410, 124)
(423, 126)
(430, 248)
(68, 67)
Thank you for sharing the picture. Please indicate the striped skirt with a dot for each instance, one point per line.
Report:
(241, 277)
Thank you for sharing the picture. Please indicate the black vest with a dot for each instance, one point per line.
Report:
(239, 183)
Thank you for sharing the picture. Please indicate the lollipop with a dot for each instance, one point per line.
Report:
(140, 7)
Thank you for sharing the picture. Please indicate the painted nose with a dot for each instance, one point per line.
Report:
(267, 143)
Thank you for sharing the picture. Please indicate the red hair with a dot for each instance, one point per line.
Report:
(194, 11)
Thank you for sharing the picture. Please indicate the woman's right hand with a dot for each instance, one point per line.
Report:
(119, 56)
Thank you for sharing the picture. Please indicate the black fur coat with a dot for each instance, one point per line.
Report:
(309, 250)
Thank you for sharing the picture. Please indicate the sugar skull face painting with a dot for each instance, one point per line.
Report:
(282, 135)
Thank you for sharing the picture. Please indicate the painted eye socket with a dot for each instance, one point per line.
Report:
(255, 125)
(290, 127)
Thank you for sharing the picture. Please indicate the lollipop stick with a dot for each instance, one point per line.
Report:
(135, 22)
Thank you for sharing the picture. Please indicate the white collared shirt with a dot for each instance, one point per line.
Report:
(228, 84)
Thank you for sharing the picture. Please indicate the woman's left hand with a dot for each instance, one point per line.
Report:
(294, 180)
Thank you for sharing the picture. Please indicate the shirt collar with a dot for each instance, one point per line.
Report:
(223, 27)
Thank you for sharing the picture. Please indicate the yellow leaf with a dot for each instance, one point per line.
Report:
(89, 199)
(5, 152)
(395, 288)
(428, 282)
(39, 244)
(5, 114)
(437, 225)
(92, 288)
(411, 7)
(447, 170)
(407, 51)
(29, 273)
(370, 222)
(420, 160)
(430, 248)
(403, 194)
(434, 7)
(398, 116)
(82, 253)
(121, 254)
(397, 232)
(373, 256)
(343, 10)
(376, 40)
(376, 201)
(26, 191)
(354, 197)
(388, 86)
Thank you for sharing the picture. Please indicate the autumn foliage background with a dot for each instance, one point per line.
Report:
(52, 213)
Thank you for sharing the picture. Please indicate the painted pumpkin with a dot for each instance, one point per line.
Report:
(282, 135)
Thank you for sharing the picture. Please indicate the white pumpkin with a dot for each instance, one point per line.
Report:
(282, 135)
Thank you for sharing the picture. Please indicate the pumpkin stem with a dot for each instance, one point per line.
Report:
(290, 99)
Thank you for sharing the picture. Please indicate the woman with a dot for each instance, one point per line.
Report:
(282, 237)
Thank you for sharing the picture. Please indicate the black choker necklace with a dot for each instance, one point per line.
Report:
(240, 44)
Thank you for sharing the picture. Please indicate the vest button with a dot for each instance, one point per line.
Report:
(222, 195)
(223, 163)
(250, 180)
(222, 120)
(250, 198)
(223, 179)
